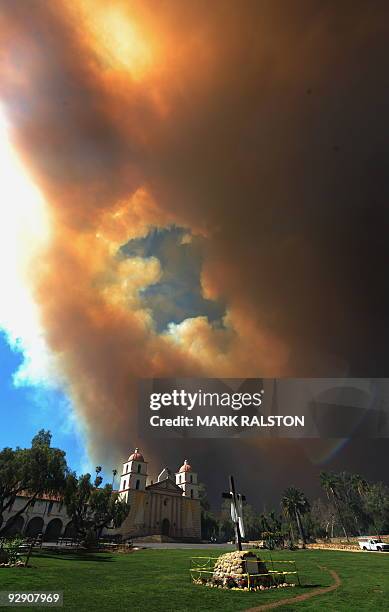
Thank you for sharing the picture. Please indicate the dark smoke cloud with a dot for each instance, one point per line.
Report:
(259, 125)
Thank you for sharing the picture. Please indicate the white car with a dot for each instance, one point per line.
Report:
(370, 544)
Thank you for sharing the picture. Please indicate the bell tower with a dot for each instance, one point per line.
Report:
(186, 479)
(134, 474)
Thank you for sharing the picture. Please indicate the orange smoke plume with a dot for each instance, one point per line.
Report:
(138, 115)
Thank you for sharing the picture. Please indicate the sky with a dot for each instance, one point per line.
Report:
(27, 409)
(190, 189)
(177, 295)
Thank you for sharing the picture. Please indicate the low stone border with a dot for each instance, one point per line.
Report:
(342, 547)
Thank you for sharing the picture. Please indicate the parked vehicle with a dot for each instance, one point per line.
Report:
(373, 544)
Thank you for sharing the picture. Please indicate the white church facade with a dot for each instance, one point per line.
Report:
(167, 508)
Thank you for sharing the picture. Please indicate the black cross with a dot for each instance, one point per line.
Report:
(233, 496)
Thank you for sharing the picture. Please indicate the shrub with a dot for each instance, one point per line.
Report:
(11, 547)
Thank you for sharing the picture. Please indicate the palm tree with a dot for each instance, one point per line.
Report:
(295, 504)
(360, 484)
(114, 472)
(330, 484)
(263, 522)
(98, 479)
(359, 487)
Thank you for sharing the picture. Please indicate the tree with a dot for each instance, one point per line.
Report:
(209, 522)
(377, 505)
(295, 504)
(226, 526)
(91, 508)
(251, 521)
(330, 484)
(34, 472)
(114, 472)
(204, 502)
(98, 478)
(270, 529)
(355, 487)
(322, 514)
(360, 484)
(12, 478)
(209, 525)
(42, 438)
(107, 509)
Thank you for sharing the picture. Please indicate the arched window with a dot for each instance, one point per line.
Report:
(191, 493)
(137, 484)
(139, 467)
(191, 478)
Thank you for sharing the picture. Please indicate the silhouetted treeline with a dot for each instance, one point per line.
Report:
(349, 506)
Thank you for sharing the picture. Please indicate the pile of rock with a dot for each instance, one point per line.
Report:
(231, 570)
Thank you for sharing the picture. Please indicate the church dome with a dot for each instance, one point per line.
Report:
(185, 467)
(136, 456)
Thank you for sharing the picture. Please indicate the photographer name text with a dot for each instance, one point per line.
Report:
(228, 421)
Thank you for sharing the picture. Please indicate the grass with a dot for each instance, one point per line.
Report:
(150, 580)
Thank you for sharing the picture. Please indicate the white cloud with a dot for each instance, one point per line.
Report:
(24, 232)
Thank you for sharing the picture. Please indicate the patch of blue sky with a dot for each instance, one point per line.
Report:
(25, 409)
(178, 294)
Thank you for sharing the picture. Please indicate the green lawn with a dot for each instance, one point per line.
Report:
(150, 580)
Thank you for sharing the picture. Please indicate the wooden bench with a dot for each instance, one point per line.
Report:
(67, 541)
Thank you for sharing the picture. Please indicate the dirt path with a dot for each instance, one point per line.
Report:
(292, 600)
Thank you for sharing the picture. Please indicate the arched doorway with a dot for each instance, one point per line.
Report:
(53, 530)
(70, 532)
(34, 527)
(165, 527)
(16, 527)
